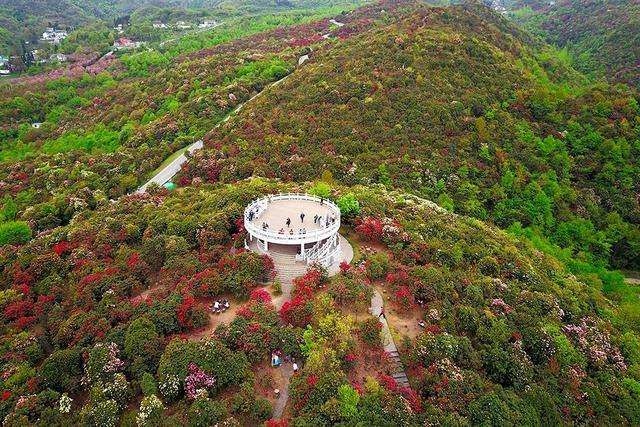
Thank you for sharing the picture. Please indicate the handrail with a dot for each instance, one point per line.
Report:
(311, 235)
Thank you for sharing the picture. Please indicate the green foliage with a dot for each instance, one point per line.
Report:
(62, 370)
(348, 398)
(321, 189)
(349, 205)
(14, 233)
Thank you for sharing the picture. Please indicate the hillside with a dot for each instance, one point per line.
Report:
(485, 187)
(603, 36)
(26, 19)
(107, 127)
(107, 310)
(458, 106)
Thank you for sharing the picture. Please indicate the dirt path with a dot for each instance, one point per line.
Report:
(377, 305)
(215, 320)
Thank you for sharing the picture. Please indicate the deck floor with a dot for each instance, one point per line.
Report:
(278, 211)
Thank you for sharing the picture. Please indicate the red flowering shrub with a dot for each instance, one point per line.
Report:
(18, 309)
(370, 228)
(260, 295)
(276, 423)
(62, 247)
(312, 380)
(190, 314)
(296, 312)
(345, 267)
(388, 382)
(403, 298)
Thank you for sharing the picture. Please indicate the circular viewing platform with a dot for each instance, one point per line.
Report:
(266, 219)
(300, 223)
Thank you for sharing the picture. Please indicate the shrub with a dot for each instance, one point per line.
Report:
(62, 370)
(370, 332)
(377, 265)
(148, 384)
(349, 205)
(141, 344)
(14, 233)
(150, 413)
(321, 189)
(205, 412)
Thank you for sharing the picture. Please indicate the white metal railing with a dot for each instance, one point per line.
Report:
(258, 206)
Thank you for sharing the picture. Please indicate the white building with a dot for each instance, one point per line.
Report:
(124, 43)
(159, 25)
(54, 36)
(208, 24)
(181, 25)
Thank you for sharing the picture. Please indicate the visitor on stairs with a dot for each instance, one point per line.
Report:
(288, 222)
(302, 217)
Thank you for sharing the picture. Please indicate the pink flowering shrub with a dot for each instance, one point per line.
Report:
(595, 344)
(197, 380)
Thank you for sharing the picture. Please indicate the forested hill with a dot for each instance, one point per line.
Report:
(603, 36)
(26, 19)
(455, 105)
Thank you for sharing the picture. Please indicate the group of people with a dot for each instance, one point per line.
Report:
(300, 231)
(220, 306)
(320, 220)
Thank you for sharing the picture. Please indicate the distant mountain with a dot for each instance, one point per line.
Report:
(604, 36)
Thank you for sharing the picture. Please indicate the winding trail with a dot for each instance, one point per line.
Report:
(398, 373)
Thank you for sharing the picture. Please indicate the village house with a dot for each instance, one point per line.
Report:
(181, 25)
(54, 36)
(208, 24)
(124, 43)
(159, 25)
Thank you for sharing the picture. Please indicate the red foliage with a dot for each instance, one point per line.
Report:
(388, 382)
(413, 398)
(25, 322)
(188, 303)
(62, 247)
(134, 259)
(269, 266)
(6, 394)
(260, 295)
(398, 278)
(245, 311)
(18, 309)
(296, 312)
(371, 228)
(312, 380)
(404, 297)
(276, 423)
(345, 267)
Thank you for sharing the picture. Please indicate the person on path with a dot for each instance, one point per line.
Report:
(288, 222)
(315, 219)
(301, 216)
(295, 367)
(382, 314)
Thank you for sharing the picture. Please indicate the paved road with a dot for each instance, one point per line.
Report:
(171, 169)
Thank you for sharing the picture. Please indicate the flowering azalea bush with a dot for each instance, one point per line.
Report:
(197, 380)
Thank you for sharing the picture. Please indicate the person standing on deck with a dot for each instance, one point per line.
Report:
(301, 216)
(288, 222)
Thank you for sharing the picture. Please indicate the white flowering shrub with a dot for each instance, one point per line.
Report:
(64, 405)
(170, 387)
(151, 408)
